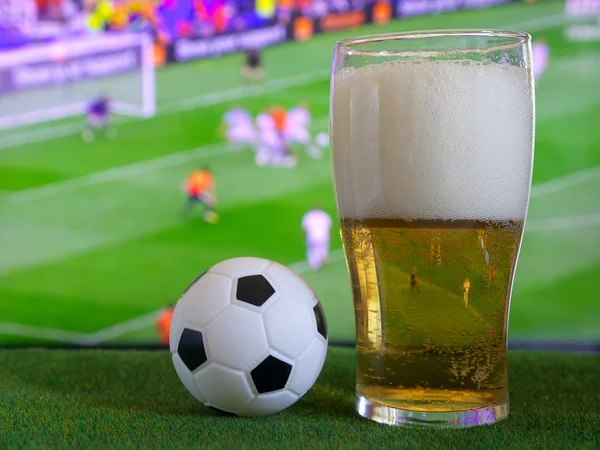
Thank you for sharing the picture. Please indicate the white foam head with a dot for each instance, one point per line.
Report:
(433, 140)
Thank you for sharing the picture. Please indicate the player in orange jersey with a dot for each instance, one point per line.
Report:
(279, 116)
(200, 188)
(163, 324)
(284, 155)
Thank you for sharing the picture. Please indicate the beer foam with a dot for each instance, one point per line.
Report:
(433, 140)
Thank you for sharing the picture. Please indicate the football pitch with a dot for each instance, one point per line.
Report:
(92, 244)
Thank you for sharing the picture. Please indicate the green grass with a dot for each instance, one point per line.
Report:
(133, 399)
(92, 252)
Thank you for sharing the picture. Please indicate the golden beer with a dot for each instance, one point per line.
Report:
(431, 301)
(432, 138)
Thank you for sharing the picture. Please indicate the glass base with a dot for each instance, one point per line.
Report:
(456, 419)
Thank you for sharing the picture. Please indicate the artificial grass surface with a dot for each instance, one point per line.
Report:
(124, 399)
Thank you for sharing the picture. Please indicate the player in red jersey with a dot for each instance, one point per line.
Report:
(200, 188)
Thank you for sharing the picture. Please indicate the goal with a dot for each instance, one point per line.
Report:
(55, 80)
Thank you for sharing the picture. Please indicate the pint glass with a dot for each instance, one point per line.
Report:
(432, 151)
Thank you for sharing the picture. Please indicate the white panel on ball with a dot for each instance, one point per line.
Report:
(224, 388)
(290, 325)
(187, 378)
(308, 366)
(270, 403)
(240, 266)
(176, 328)
(206, 298)
(236, 338)
(291, 284)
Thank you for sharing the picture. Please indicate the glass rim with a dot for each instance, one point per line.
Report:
(353, 44)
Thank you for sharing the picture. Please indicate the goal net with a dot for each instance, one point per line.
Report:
(56, 80)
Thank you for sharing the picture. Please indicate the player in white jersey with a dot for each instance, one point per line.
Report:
(296, 129)
(239, 127)
(317, 226)
(267, 139)
(540, 53)
(271, 147)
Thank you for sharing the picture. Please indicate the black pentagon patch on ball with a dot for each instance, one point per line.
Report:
(193, 282)
(254, 289)
(271, 375)
(320, 317)
(191, 349)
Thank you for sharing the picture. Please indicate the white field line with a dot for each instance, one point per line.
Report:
(122, 328)
(564, 182)
(563, 223)
(127, 171)
(302, 266)
(51, 334)
(214, 98)
(539, 23)
(239, 93)
(143, 167)
(539, 190)
(114, 331)
(552, 186)
(41, 134)
(116, 173)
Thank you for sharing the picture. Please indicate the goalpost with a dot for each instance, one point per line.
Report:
(55, 80)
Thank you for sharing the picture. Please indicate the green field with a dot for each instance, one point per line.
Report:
(91, 243)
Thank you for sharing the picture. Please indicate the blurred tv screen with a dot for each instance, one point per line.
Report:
(107, 107)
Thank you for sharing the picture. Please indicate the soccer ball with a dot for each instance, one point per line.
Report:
(248, 337)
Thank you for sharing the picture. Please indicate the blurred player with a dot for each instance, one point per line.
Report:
(466, 289)
(239, 127)
(322, 139)
(267, 141)
(200, 188)
(317, 226)
(163, 324)
(481, 238)
(283, 155)
(414, 282)
(279, 118)
(252, 69)
(296, 129)
(98, 118)
(481, 234)
(436, 250)
(541, 55)
(272, 147)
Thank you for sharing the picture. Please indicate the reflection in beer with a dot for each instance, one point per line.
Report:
(366, 272)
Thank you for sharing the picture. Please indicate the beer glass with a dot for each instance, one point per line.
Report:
(432, 137)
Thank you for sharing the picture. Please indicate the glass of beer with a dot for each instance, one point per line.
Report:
(432, 151)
